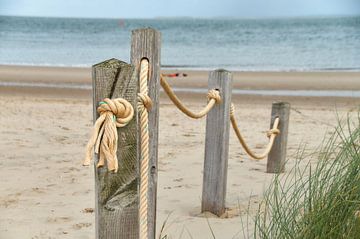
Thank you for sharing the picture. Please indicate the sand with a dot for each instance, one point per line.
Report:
(46, 193)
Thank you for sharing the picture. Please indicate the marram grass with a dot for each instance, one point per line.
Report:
(321, 201)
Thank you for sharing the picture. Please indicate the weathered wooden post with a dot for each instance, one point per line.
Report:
(217, 145)
(116, 194)
(146, 43)
(277, 156)
(116, 202)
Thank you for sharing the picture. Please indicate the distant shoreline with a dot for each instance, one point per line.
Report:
(198, 68)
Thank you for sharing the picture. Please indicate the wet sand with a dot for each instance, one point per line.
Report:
(195, 79)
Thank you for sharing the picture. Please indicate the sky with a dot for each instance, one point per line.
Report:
(179, 8)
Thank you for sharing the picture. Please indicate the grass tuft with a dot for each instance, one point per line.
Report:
(321, 201)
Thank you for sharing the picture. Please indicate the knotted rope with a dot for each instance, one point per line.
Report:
(113, 113)
(213, 98)
(272, 133)
(144, 105)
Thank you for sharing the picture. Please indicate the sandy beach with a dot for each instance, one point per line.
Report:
(46, 193)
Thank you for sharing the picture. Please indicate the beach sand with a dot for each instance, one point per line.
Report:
(46, 193)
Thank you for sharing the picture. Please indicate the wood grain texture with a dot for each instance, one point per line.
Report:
(116, 206)
(146, 43)
(277, 156)
(217, 145)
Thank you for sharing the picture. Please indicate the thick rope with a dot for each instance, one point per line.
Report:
(213, 98)
(272, 133)
(144, 106)
(113, 113)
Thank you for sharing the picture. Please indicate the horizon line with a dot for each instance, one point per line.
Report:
(191, 17)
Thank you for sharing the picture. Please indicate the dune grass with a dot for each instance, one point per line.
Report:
(321, 201)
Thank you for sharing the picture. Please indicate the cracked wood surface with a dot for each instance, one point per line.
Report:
(116, 194)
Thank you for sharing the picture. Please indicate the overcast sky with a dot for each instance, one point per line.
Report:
(179, 8)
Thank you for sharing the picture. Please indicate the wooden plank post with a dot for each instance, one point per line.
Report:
(146, 43)
(277, 156)
(217, 145)
(116, 202)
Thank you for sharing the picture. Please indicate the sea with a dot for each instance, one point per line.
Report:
(284, 44)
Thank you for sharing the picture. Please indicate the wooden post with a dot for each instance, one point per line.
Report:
(277, 156)
(145, 43)
(116, 202)
(217, 145)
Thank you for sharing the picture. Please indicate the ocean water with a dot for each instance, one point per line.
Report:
(295, 44)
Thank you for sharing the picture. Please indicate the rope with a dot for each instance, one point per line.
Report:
(144, 105)
(113, 113)
(272, 133)
(213, 98)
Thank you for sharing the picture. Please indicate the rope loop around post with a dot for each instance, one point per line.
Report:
(271, 134)
(113, 113)
(232, 110)
(214, 94)
(144, 101)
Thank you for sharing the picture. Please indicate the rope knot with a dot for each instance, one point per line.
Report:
(214, 94)
(113, 113)
(232, 109)
(121, 110)
(145, 101)
(272, 132)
